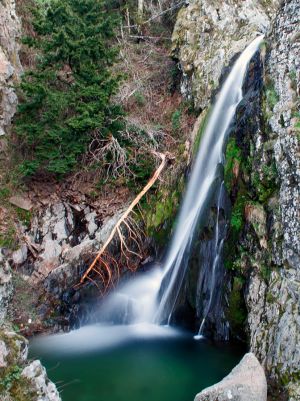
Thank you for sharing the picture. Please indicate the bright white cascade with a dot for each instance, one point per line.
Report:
(152, 296)
(148, 301)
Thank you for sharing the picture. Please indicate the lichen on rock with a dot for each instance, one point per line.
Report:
(208, 35)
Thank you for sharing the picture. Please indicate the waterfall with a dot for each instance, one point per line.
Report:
(152, 297)
(204, 181)
(218, 247)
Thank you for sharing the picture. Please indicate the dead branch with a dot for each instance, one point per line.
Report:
(101, 258)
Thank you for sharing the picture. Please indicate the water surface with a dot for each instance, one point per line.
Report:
(132, 366)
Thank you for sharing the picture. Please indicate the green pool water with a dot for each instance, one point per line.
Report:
(171, 368)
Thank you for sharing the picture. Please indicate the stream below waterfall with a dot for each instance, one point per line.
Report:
(99, 363)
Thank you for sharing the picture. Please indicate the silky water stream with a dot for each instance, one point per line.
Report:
(133, 353)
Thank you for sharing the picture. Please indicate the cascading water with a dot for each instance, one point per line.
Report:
(218, 247)
(140, 306)
(151, 297)
(204, 182)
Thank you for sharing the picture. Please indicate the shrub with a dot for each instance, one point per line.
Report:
(66, 99)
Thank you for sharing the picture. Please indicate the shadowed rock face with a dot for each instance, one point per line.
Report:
(246, 382)
(207, 36)
(274, 314)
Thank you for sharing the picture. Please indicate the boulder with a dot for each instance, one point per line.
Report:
(21, 201)
(45, 389)
(246, 382)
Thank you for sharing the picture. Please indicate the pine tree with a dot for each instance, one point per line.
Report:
(66, 98)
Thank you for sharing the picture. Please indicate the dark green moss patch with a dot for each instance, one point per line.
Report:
(236, 312)
(233, 158)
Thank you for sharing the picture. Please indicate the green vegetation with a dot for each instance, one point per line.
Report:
(159, 213)
(238, 214)
(236, 312)
(271, 95)
(176, 121)
(233, 158)
(14, 386)
(65, 101)
(266, 185)
(203, 125)
(8, 237)
(140, 99)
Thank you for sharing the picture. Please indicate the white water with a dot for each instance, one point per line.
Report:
(217, 253)
(140, 306)
(138, 301)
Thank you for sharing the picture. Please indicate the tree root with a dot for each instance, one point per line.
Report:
(104, 264)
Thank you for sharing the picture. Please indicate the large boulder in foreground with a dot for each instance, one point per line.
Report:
(246, 382)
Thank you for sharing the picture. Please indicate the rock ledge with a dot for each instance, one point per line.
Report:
(246, 382)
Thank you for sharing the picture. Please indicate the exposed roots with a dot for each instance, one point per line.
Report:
(105, 269)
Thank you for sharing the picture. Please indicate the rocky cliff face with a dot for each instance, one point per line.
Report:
(208, 35)
(262, 169)
(10, 67)
(274, 315)
(20, 379)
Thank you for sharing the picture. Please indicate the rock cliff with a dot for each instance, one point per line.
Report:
(261, 172)
(274, 314)
(208, 35)
(10, 67)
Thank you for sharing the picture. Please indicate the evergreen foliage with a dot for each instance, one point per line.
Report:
(65, 100)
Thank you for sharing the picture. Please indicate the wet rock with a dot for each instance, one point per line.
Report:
(246, 382)
(274, 303)
(45, 389)
(256, 215)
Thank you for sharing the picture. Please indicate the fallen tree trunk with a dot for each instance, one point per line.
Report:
(117, 230)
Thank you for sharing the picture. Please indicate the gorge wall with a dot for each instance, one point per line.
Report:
(10, 66)
(19, 378)
(261, 295)
(261, 171)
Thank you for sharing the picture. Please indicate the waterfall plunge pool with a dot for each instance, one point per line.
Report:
(132, 363)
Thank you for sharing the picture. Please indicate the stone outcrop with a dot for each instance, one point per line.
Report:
(246, 382)
(57, 249)
(43, 387)
(208, 35)
(207, 38)
(10, 67)
(274, 307)
(20, 379)
(65, 237)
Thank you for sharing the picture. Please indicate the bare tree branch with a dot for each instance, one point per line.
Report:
(133, 234)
